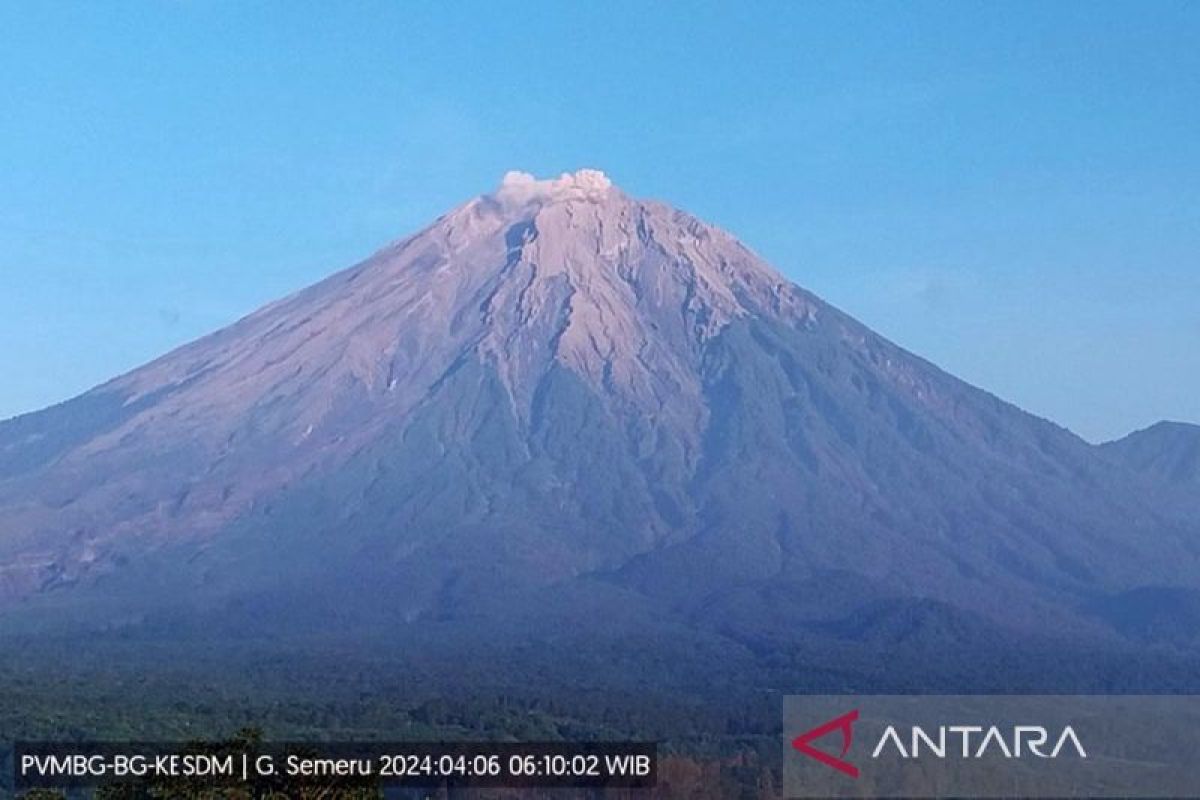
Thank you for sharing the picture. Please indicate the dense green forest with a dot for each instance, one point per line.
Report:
(719, 726)
(111, 692)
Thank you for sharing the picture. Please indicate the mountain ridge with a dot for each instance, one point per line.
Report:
(1167, 450)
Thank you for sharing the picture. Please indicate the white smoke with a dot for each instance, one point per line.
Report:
(521, 187)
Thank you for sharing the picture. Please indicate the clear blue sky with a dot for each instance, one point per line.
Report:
(1011, 190)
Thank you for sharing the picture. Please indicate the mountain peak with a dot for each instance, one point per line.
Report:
(561, 385)
(1167, 449)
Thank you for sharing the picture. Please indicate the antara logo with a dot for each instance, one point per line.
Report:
(954, 741)
(845, 724)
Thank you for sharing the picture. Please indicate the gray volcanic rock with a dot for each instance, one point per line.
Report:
(558, 391)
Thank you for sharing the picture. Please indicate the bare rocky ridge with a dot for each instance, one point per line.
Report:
(559, 387)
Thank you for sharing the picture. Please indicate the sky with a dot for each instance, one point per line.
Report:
(1010, 190)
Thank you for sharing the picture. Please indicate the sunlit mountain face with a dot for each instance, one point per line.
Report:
(568, 417)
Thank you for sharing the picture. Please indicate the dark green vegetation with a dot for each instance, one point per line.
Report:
(716, 711)
(139, 691)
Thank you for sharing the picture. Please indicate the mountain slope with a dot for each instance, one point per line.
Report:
(560, 388)
(1168, 451)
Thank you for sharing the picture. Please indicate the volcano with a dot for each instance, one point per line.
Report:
(567, 406)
